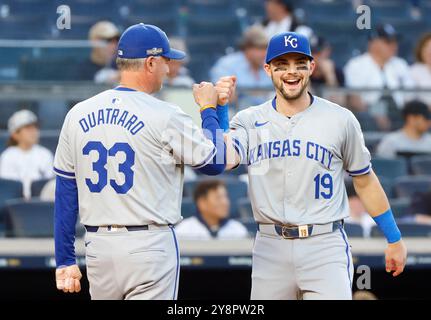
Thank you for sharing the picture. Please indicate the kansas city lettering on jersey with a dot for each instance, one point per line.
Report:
(288, 148)
(111, 116)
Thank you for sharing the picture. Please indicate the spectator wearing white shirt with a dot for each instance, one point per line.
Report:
(413, 137)
(212, 219)
(24, 160)
(421, 70)
(379, 68)
(281, 18)
(358, 213)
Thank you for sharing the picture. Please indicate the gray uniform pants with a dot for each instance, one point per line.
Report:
(318, 267)
(132, 265)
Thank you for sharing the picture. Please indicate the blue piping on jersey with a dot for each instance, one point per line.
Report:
(177, 272)
(275, 106)
(64, 173)
(210, 157)
(124, 89)
(347, 254)
(359, 172)
(239, 148)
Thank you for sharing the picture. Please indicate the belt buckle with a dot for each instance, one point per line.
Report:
(115, 227)
(303, 231)
(284, 233)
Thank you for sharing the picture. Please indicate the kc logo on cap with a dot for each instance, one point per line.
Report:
(289, 40)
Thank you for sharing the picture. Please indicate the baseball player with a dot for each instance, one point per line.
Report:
(297, 147)
(120, 163)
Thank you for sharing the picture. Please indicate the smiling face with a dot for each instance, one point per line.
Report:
(290, 74)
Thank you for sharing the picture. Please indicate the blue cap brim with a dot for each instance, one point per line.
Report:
(283, 53)
(175, 54)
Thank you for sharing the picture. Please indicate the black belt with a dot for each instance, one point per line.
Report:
(304, 231)
(129, 228)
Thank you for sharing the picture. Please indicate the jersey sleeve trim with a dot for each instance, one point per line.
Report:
(207, 159)
(64, 173)
(360, 172)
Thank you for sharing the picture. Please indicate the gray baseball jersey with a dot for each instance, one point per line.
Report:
(296, 165)
(127, 151)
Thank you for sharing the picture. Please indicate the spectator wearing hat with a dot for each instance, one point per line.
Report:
(178, 75)
(212, 220)
(280, 18)
(326, 72)
(413, 137)
(421, 70)
(247, 66)
(24, 160)
(101, 67)
(379, 68)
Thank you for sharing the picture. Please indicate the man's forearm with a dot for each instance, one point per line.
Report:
(376, 203)
(65, 217)
(371, 193)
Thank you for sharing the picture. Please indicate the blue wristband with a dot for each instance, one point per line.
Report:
(223, 117)
(388, 226)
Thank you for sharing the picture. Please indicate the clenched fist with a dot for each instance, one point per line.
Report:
(68, 279)
(225, 87)
(396, 256)
(205, 94)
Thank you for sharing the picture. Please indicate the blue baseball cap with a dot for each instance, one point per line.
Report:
(287, 42)
(144, 40)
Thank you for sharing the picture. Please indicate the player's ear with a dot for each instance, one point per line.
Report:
(312, 66)
(267, 69)
(150, 64)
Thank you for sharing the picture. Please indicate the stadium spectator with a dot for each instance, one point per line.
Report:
(421, 70)
(326, 72)
(421, 207)
(280, 18)
(101, 67)
(247, 66)
(212, 219)
(364, 295)
(413, 137)
(379, 68)
(178, 74)
(358, 213)
(24, 160)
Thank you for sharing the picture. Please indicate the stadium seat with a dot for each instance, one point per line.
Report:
(388, 186)
(317, 11)
(218, 8)
(407, 230)
(37, 186)
(17, 27)
(251, 226)
(61, 69)
(389, 168)
(49, 139)
(400, 207)
(421, 165)
(9, 190)
(30, 219)
(188, 208)
(33, 219)
(4, 136)
(354, 230)
(244, 209)
(372, 139)
(409, 185)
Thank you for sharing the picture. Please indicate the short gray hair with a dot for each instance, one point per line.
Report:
(129, 64)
